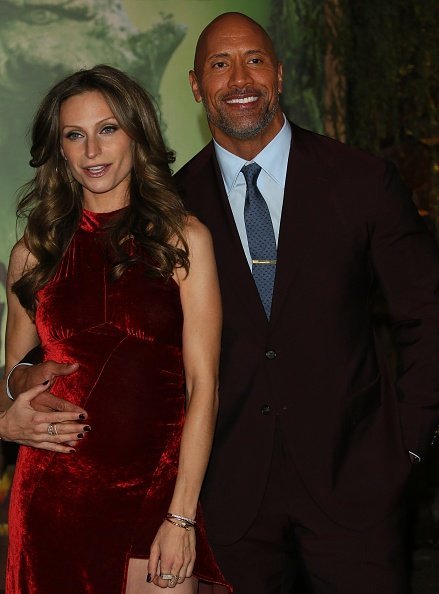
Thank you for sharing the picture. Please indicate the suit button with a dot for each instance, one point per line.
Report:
(271, 354)
(265, 410)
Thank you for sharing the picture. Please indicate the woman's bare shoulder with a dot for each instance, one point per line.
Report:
(196, 233)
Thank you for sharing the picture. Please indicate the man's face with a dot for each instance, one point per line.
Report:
(239, 79)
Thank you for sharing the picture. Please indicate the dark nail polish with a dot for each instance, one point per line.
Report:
(81, 416)
(45, 383)
(149, 578)
(86, 428)
(80, 436)
(72, 451)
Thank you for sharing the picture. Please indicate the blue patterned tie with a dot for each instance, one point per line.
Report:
(260, 235)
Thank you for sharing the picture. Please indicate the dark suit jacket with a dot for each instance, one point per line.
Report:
(317, 369)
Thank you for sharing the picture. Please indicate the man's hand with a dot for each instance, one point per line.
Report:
(25, 377)
(54, 431)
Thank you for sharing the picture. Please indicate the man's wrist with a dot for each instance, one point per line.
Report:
(8, 390)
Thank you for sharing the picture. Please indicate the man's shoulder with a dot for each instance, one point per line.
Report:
(334, 153)
(349, 170)
(196, 181)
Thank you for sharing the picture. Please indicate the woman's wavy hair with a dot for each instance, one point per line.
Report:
(52, 201)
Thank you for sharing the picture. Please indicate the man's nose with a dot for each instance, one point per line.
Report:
(240, 75)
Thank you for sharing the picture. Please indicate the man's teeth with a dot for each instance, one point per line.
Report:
(243, 100)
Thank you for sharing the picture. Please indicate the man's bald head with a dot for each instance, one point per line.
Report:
(227, 21)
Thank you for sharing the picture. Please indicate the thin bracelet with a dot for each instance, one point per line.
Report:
(8, 391)
(184, 518)
(181, 524)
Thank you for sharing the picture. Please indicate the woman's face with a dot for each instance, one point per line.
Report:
(98, 152)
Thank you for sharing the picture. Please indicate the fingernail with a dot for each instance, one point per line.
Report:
(72, 451)
(80, 436)
(86, 428)
(82, 417)
(149, 578)
(45, 383)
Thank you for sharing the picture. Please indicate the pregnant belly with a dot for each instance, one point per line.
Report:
(132, 389)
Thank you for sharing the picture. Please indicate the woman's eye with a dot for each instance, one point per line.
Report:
(73, 135)
(109, 129)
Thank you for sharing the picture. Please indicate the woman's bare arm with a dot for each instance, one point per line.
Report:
(20, 421)
(200, 298)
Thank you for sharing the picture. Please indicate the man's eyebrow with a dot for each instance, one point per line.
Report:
(219, 55)
(257, 51)
(247, 53)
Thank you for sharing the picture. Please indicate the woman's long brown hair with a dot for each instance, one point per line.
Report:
(52, 201)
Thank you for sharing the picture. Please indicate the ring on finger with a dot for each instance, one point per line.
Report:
(173, 581)
(168, 577)
(52, 429)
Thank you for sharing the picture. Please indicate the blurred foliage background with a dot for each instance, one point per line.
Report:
(367, 73)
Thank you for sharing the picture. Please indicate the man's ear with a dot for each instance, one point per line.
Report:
(280, 77)
(193, 81)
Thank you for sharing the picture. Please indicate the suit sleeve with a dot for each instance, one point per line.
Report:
(406, 261)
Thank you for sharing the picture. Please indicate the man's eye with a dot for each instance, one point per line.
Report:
(255, 61)
(219, 65)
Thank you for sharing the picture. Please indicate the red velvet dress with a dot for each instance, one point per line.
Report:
(76, 519)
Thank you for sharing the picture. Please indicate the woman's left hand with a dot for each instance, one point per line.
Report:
(172, 554)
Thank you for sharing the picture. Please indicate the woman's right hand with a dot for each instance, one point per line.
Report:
(23, 424)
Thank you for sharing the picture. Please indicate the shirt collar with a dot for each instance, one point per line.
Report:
(273, 159)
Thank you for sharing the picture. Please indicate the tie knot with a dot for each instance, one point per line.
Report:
(251, 172)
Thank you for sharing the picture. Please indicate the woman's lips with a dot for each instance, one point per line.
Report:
(96, 170)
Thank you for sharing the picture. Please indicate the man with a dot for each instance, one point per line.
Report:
(313, 439)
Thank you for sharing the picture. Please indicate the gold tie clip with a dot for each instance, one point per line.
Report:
(264, 261)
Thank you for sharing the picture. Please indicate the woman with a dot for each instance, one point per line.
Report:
(113, 275)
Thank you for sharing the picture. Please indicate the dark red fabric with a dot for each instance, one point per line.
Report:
(76, 519)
